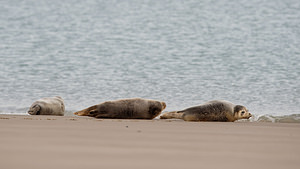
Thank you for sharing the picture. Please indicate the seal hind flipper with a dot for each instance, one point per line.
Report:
(35, 110)
(87, 111)
(172, 115)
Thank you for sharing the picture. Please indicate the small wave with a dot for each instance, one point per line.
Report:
(13, 110)
(293, 118)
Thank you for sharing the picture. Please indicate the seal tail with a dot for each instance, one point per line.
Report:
(172, 115)
(86, 112)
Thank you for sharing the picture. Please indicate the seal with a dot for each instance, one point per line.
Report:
(216, 110)
(133, 108)
(48, 106)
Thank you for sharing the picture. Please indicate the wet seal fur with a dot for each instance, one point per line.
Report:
(216, 110)
(133, 108)
(48, 106)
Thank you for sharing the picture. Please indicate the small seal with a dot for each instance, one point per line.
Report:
(216, 110)
(133, 108)
(48, 106)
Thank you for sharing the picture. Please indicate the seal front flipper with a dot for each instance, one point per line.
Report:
(104, 116)
(35, 110)
(190, 117)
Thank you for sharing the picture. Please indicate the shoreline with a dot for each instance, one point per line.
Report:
(78, 142)
(289, 118)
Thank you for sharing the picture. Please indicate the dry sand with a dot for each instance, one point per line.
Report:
(42, 142)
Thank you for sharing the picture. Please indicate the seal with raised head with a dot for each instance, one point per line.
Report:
(216, 110)
(48, 106)
(133, 108)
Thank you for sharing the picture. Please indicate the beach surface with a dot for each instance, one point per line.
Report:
(69, 142)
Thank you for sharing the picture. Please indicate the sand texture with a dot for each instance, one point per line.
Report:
(46, 142)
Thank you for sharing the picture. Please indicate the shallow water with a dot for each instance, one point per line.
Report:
(181, 52)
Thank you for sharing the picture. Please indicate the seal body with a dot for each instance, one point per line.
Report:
(48, 106)
(134, 108)
(217, 110)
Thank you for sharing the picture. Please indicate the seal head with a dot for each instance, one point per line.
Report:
(241, 112)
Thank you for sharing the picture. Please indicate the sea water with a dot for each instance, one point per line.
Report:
(183, 52)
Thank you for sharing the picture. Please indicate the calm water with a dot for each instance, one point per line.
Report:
(181, 52)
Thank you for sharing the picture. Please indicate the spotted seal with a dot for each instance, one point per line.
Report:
(216, 110)
(132, 108)
(48, 106)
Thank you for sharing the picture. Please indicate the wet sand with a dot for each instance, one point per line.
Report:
(35, 142)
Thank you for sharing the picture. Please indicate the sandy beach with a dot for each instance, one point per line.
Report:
(30, 142)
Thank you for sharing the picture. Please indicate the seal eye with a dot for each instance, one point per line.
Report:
(243, 112)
